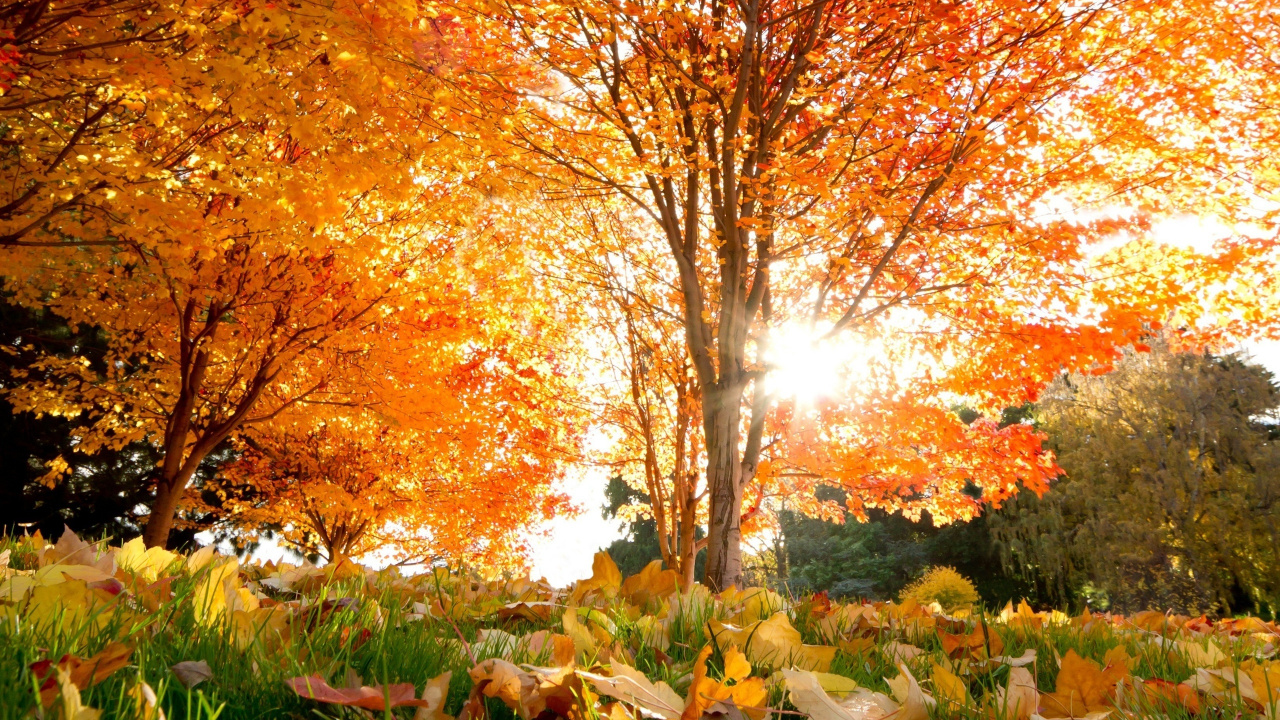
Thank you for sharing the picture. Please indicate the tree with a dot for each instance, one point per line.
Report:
(639, 546)
(247, 214)
(66, 80)
(1172, 493)
(834, 164)
(101, 494)
(461, 482)
(878, 557)
(647, 397)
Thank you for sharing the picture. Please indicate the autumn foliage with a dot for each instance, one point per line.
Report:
(402, 258)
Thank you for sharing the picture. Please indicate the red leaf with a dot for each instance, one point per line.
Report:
(369, 698)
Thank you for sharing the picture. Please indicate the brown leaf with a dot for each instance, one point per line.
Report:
(434, 696)
(82, 673)
(192, 672)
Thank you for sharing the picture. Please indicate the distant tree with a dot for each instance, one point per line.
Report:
(1172, 494)
(639, 544)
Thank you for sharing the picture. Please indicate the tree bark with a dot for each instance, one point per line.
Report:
(722, 412)
(169, 492)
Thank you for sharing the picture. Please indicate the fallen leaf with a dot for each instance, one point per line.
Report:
(83, 673)
(72, 707)
(775, 643)
(1083, 686)
(145, 704)
(706, 695)
(947, 686)
(434, 696)
(915, 703)
(629, 685)
(751, 605)
(531, 611)
(1019, 698)
(810, 697)
(980, 644)
(192, 672)
(144, 563)
(377, 697)
(897, 652)
(605, 579)
(651, 584)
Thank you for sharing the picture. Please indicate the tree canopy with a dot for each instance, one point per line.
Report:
(444, 244)
(1172, 490)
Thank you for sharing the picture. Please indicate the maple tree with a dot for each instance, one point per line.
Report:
(268, 211)
(453, 472)
(646, 398)
(889, 170)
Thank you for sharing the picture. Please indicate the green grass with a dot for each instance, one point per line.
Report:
(353, 630)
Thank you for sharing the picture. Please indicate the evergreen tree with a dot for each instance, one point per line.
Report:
(876, 559)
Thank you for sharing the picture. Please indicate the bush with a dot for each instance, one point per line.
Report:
(944, 586)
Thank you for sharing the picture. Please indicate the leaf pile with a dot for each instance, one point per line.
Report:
(129, 632)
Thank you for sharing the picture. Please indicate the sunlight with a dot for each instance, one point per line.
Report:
(1192, 232)
(805, 367)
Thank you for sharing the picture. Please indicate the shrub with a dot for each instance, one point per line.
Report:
(944, 586)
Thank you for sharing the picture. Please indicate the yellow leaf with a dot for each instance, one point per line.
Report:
(605, 579)
(949, 687)
(631, 686)
(651, 583)
(146, 563)
(583, 641)
(775, 643)
(210, 596)
(915, 702)
(71, 705)
(707, 695)
(1019, 699)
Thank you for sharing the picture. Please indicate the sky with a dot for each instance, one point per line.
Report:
(564, 554)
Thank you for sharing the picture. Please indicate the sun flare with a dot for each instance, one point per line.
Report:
(803, 366)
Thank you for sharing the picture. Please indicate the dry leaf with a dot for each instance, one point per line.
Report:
(1019, 699)
(1084, 686)
(809, 696)
(632, 687)
(192, 672)
(434, 696)
(706, 695)
(650, 584)
(915, 703)
(377, 697)
(775, 643)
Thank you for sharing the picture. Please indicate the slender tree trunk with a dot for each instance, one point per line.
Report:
(169, 492)
(722, 412)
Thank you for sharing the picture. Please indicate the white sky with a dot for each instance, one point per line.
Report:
(564, 554)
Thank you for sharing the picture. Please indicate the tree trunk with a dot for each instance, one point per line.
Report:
(175, 475)
(724, 479)
(163, 510)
